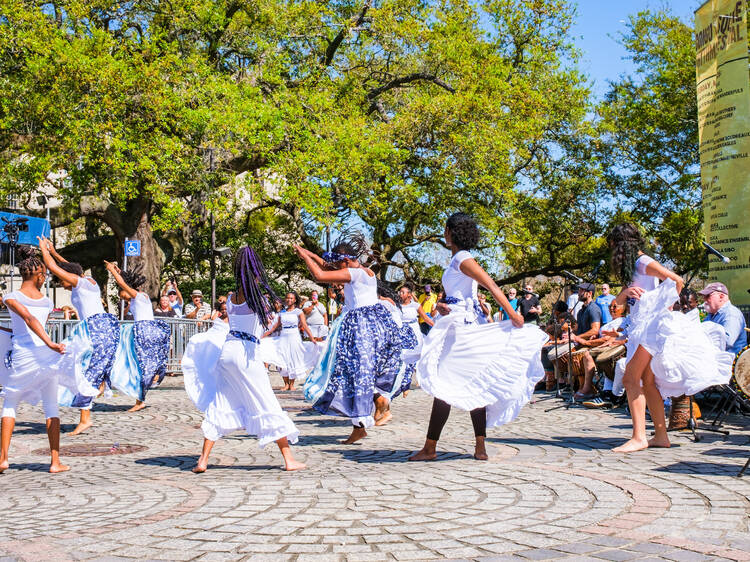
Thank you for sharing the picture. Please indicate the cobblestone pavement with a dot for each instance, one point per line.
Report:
(551, 489)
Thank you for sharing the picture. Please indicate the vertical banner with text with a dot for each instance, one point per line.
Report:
(723, 85)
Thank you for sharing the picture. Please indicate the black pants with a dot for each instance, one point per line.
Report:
(440, 412)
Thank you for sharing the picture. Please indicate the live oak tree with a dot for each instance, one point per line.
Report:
(387, 114)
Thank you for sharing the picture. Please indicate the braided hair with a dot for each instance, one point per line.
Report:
(251, 279)
(625, 241)
(28, 261)
(350, 245)
(133, 277)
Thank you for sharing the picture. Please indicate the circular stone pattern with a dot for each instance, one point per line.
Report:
(94, 450)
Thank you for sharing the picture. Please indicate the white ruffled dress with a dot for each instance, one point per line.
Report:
(234, 391)
(32, 366)
(685, 356)
(296, 358)
(471, 365)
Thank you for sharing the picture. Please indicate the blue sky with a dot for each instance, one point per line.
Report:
(599, 23)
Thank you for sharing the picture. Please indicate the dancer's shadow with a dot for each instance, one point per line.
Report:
(29, 428)
(741, 453)
(185, 463)
(27, 466)
(570, 442)
(104, 407)
(710, 468)
(378, 456)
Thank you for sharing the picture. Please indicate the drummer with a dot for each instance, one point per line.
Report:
(588, 322)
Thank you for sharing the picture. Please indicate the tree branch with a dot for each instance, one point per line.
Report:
(334, 45)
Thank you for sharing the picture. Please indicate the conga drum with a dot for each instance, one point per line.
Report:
(607, 359)
(556, 352)
(577, 368)
(679, 413)
(740, 380)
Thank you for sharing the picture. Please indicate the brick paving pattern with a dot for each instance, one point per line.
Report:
(551, 489)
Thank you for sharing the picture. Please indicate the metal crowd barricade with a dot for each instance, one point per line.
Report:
(181, 329)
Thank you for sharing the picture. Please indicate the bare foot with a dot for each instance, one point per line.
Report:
(406, 393)
(631, 446)
(480, 453)
(55, 468)
(385, 418)
(201, 466)
(137, 407)
(357, 434)
(4, 466)
(424, 455)
(81, 427)
(294, 465)
(662, 443)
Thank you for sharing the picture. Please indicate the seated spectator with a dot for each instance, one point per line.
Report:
(164, 308)
(721, 311)
(197, 309)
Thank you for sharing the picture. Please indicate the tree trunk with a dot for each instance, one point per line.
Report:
(151, 260)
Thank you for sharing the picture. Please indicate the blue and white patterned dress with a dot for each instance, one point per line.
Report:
(92, 344)
(362, 356)
(143, 351)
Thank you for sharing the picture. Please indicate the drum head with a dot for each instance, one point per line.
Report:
(614, 352)
(741, 373)
(557, 351)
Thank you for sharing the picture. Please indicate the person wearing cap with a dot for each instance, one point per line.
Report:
(175, 297)
(427, 301)
(197, 309)
(721, 311)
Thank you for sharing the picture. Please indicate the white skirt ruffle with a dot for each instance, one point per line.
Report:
(244, 399)
(294, 357)
(685, 359)
(472, 366)
(199, 363)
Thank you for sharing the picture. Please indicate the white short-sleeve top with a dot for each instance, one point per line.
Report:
(290, 318)
(641, 278)
(456, 283)
(87, 298)
(409, 312)
(362, 290)
(38, 308)
(140, 307)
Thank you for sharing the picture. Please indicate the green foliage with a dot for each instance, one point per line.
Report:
(649, 138)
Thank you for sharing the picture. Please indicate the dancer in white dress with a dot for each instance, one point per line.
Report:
(243, 397)
(667, 353)
(412, 311)
(488, 369)
(298, 357)
(33, 374)
(99, 336)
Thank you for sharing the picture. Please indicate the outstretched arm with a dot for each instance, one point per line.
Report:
(424, 316)
(45, 246)
(471, 268)
(34, 324)
(314, 264)
(655, 269)
(115, 271)
(273, 328)
(305, 328)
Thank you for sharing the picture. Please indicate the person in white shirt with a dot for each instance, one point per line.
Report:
(316, 316)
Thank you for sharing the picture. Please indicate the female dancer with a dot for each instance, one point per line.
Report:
(144, 345)
(99, 331)
(367, 343)
(412, 311)
(297, 356)
(488, 369)
(667, 354)
(35, 357)
(242, 395)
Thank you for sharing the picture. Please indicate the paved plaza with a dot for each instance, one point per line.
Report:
(551, 489)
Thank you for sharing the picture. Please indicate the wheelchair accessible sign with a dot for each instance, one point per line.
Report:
(132, 248)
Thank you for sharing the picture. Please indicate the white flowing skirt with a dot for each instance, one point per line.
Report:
(199, 363)
(685, 359)
(244, 399)
(294, 357)
(472, 366)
